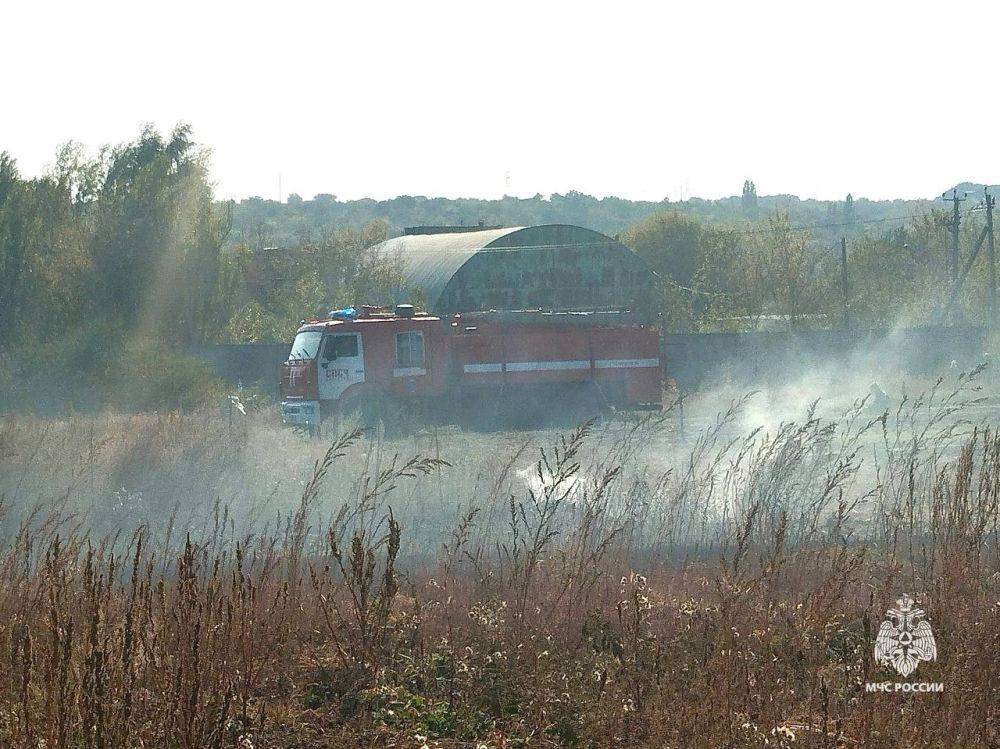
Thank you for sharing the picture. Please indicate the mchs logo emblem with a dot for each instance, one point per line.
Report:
(905, 638)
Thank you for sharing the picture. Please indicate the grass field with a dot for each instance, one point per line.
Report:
(180, 580)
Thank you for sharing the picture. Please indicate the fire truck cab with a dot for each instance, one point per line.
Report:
(334, 363)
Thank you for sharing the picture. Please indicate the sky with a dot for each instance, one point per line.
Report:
(654, 100)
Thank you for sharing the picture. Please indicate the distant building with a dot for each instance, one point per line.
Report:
(553, 267)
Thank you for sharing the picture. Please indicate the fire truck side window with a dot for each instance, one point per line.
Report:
(340, 346)
(410, 349)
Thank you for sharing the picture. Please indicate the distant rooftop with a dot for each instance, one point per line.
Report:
(481, 226)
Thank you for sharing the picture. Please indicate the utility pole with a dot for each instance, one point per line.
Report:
(949, 306)
(953, 226)
(844, 283)
(991, 257)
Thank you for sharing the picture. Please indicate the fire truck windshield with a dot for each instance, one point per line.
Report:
(306, 345)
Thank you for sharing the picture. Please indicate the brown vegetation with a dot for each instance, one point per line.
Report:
(729, 599)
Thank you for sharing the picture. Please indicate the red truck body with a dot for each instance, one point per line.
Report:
(338, 364)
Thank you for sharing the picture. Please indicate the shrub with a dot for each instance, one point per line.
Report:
(149, 375)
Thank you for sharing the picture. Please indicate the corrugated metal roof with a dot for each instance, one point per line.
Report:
(437, 262)
(430, 260)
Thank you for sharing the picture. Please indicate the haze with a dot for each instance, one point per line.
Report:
(453, 99)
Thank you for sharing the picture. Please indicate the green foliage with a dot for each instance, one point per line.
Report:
(913, 263)
(111, 264)
(254, 324)
(259, 222)
(98, 363)
(749, 200)
(133, 234)
(771, 273)
(670, 243)
(719, 277)
(270, 289)
(120, 247)
(43, 263)
(129, 245)
(147, 375)
(783, 276)
(157, 238)
(57, 370)
(396, 706)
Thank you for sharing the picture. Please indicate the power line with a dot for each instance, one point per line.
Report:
(864, 221)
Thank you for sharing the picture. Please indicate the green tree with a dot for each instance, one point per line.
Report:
(749, 200)
(157, 237)
(724, 295)
(44, 259)
(13, 246)
(785, 275)
(670, 243)
(849, 215)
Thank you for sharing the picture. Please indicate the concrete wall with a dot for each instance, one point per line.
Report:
(703, 359)
(253, 364)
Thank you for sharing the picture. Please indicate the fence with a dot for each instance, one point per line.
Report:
(700, 359)
(250, 363)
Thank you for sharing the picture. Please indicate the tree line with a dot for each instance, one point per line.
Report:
(260, 222)
(736, 277)
(113, 261)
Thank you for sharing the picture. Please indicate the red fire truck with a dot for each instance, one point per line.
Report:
(371, 358)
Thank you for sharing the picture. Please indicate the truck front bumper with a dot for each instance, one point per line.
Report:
(300, 413)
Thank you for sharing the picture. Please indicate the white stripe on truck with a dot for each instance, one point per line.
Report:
(482, 368)
(626, 363)
(544, 366)
(550, 366)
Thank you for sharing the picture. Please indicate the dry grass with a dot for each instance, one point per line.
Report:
(172, 581)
